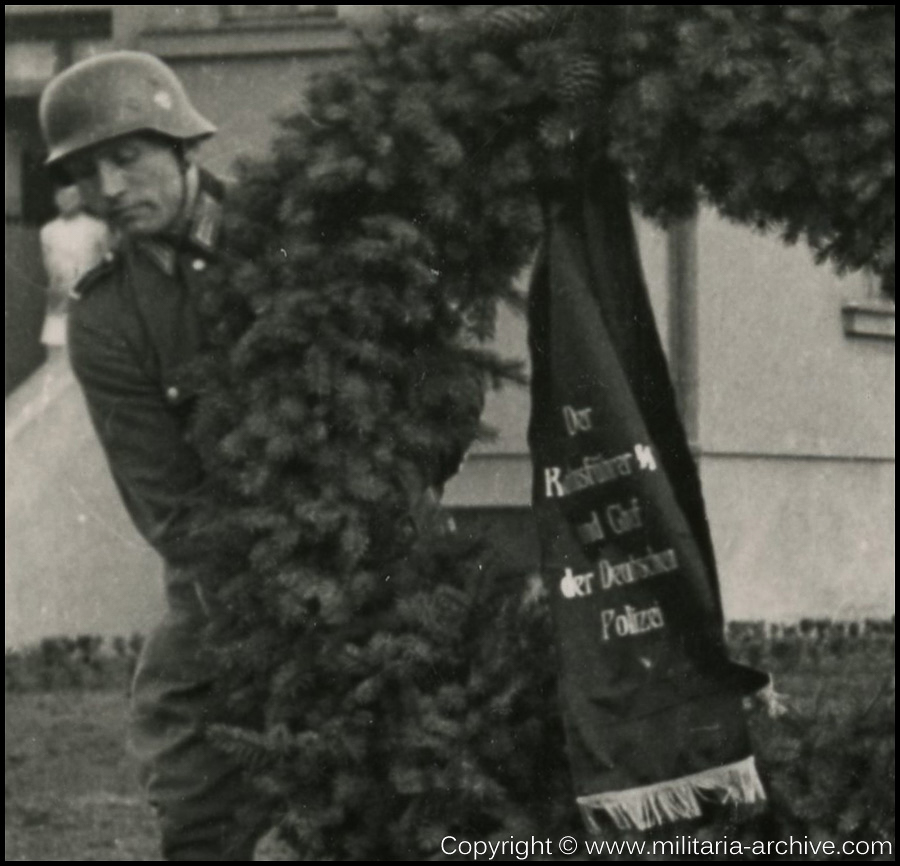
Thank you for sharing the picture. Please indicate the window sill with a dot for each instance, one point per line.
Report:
(871, 319)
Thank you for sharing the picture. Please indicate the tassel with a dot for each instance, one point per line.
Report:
(675, 800)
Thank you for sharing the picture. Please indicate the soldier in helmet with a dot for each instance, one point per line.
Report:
(121, 127)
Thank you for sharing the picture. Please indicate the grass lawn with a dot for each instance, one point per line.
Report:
(71, 789)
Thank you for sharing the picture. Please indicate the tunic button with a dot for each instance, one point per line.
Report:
(109, 256)
(172, 393)
(198, 264)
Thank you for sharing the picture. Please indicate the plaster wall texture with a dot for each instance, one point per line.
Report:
(796, 431)
(777, 375)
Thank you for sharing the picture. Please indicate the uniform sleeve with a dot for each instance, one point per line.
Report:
(158, 474)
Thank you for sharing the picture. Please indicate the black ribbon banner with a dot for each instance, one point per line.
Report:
(653, 706)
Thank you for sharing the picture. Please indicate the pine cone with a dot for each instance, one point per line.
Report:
(580, 80)
(517, 23)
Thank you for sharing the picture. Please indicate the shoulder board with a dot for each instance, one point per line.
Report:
(96, 276)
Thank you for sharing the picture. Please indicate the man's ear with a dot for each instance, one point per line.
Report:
(191, 149)
(187, 153)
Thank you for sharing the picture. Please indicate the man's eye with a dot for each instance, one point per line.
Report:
(124, 156)
(80, 170)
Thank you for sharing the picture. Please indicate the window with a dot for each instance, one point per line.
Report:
(874, 315)
(39, 46)
(32, 60)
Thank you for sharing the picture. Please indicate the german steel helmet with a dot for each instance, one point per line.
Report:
(116, 94)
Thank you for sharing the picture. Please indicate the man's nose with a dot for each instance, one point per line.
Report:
(110, 179)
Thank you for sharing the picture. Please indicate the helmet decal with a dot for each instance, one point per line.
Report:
(163, 99)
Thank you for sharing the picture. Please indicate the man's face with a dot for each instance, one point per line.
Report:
(135, 182)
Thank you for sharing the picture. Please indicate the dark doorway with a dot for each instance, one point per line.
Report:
(29, 204)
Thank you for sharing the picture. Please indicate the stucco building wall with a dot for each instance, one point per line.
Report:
(796, 431)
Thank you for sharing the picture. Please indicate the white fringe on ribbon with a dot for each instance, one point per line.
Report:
(676, 800)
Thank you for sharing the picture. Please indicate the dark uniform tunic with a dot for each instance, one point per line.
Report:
(132, 329)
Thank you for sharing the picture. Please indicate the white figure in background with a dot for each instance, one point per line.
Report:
(71, 244)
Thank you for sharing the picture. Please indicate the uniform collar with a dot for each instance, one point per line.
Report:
(205, 221)
(201, 228)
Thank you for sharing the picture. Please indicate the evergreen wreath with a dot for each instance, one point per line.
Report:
(401, 689)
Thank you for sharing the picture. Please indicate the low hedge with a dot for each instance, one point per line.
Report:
(83, 662)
